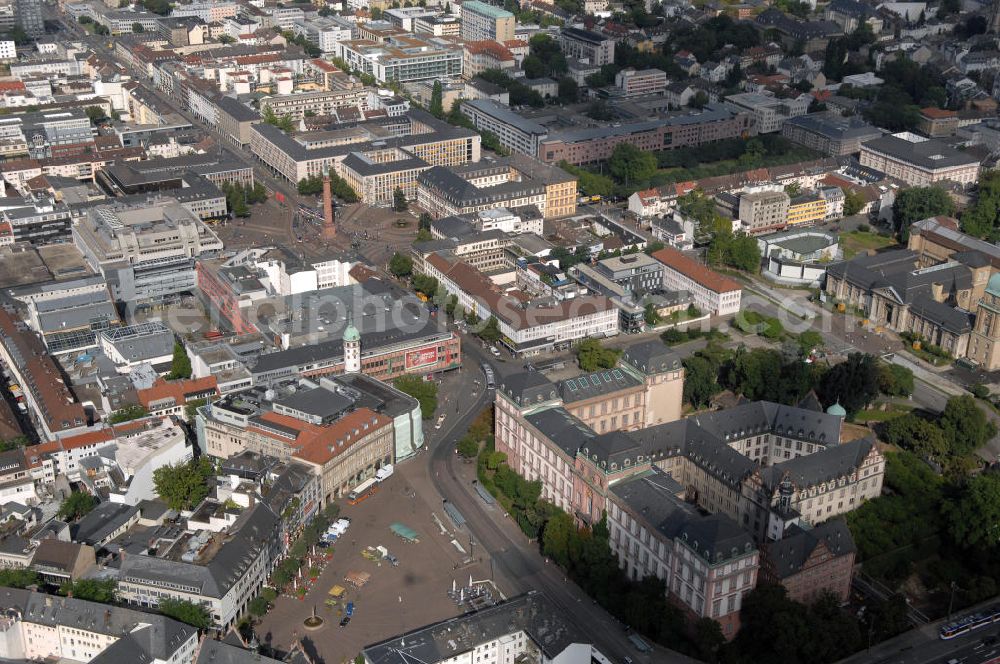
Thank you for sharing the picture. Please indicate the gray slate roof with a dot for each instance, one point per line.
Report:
(788, 555)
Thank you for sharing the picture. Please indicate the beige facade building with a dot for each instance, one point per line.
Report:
(919, 161)
(481, 21)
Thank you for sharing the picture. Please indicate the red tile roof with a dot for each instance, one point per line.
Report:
(341, 434)
(937, 113)
(178, 389)
(695, 271)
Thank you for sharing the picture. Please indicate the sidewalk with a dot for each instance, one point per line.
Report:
(926, 375)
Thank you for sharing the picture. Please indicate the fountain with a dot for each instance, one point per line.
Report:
(313, 622)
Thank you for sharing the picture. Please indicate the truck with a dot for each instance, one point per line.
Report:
(384, 473)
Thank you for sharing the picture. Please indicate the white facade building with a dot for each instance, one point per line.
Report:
(713, 293)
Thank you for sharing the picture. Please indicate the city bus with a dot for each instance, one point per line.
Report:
(362, 491)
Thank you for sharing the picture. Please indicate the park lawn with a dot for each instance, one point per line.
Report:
(856, 241)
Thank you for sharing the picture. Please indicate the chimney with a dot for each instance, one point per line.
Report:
(937, 291)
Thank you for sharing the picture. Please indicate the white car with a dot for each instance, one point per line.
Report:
(440, 421)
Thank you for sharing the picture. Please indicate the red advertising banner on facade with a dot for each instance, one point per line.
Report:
(421, 358)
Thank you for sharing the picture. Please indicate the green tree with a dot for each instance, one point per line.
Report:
(95, 113)
(425, 220)
(424, 235)
(919, 203)
(193, 614)
(258, 607)
(491, 331)
(853, 383)
(650, 315)
(311, 186)
(92, 590)
(974, 516)
(965, 425)
(184, 486)
(894, 380)
(569, 91)
(180, 364)
(699, 100)
(424, 391)
(631, 166)
(854, 201)
(533, 67)
(558, 537)
(592, 356)
(708, 638)
(700, 381)
(76, 505)
(191, 409)
(468, 447)
(437, 100)
(399, 203)
(401, 265)
(18, 578)
(809, 341)
(137, 27)
(127, 414)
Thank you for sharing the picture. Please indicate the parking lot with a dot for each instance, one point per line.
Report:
(396, 599)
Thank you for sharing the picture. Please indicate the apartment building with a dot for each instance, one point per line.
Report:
(481, 21)
(595, 48)
(679, 129)
(37, 626)
(713, 293)
(708, 563)
(404, 57)
(919, 161)
(830, 133)
(764, 211)
(514, 132)
(438, 26)
(638, 273)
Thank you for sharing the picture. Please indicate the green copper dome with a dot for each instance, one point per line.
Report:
(837, 409)
(351, 333)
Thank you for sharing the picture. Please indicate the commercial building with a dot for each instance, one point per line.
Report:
(376, 181)
(38, 221)
(318, 102)
(673, 130)
(514, 132)
(482, 21)
(483, 55)
(523, 628)
(510, 182)
(404, 57)
(919, 161)
(37, 626)
(29, 17)
(594, 47)
(937, 122)
(145, 252)
(765, 211)
(223, 578)
(310, 154)
(830, 133)
(798, 256)
(638, 273)
(713, 293)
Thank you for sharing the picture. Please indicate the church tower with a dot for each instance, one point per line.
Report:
(352, 348)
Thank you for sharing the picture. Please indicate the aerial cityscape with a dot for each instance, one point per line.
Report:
(500, 332)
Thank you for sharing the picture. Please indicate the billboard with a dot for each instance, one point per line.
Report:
(421, 358)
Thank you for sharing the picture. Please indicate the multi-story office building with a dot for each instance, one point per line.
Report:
(764, 211)
(209, 11)
(40, 627)
(312, 154)
(830, 133)
(438, 26)
(481, 21)
(641, 82)
(29, 17)
(404, 57)
(322, 32)
(806, 209)
(713, 293)
(769, 113)
(673, 130)
(597, 49)
(919, 161)
(512, 130)
(146, 251)
(638, 273)
(39, 221)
